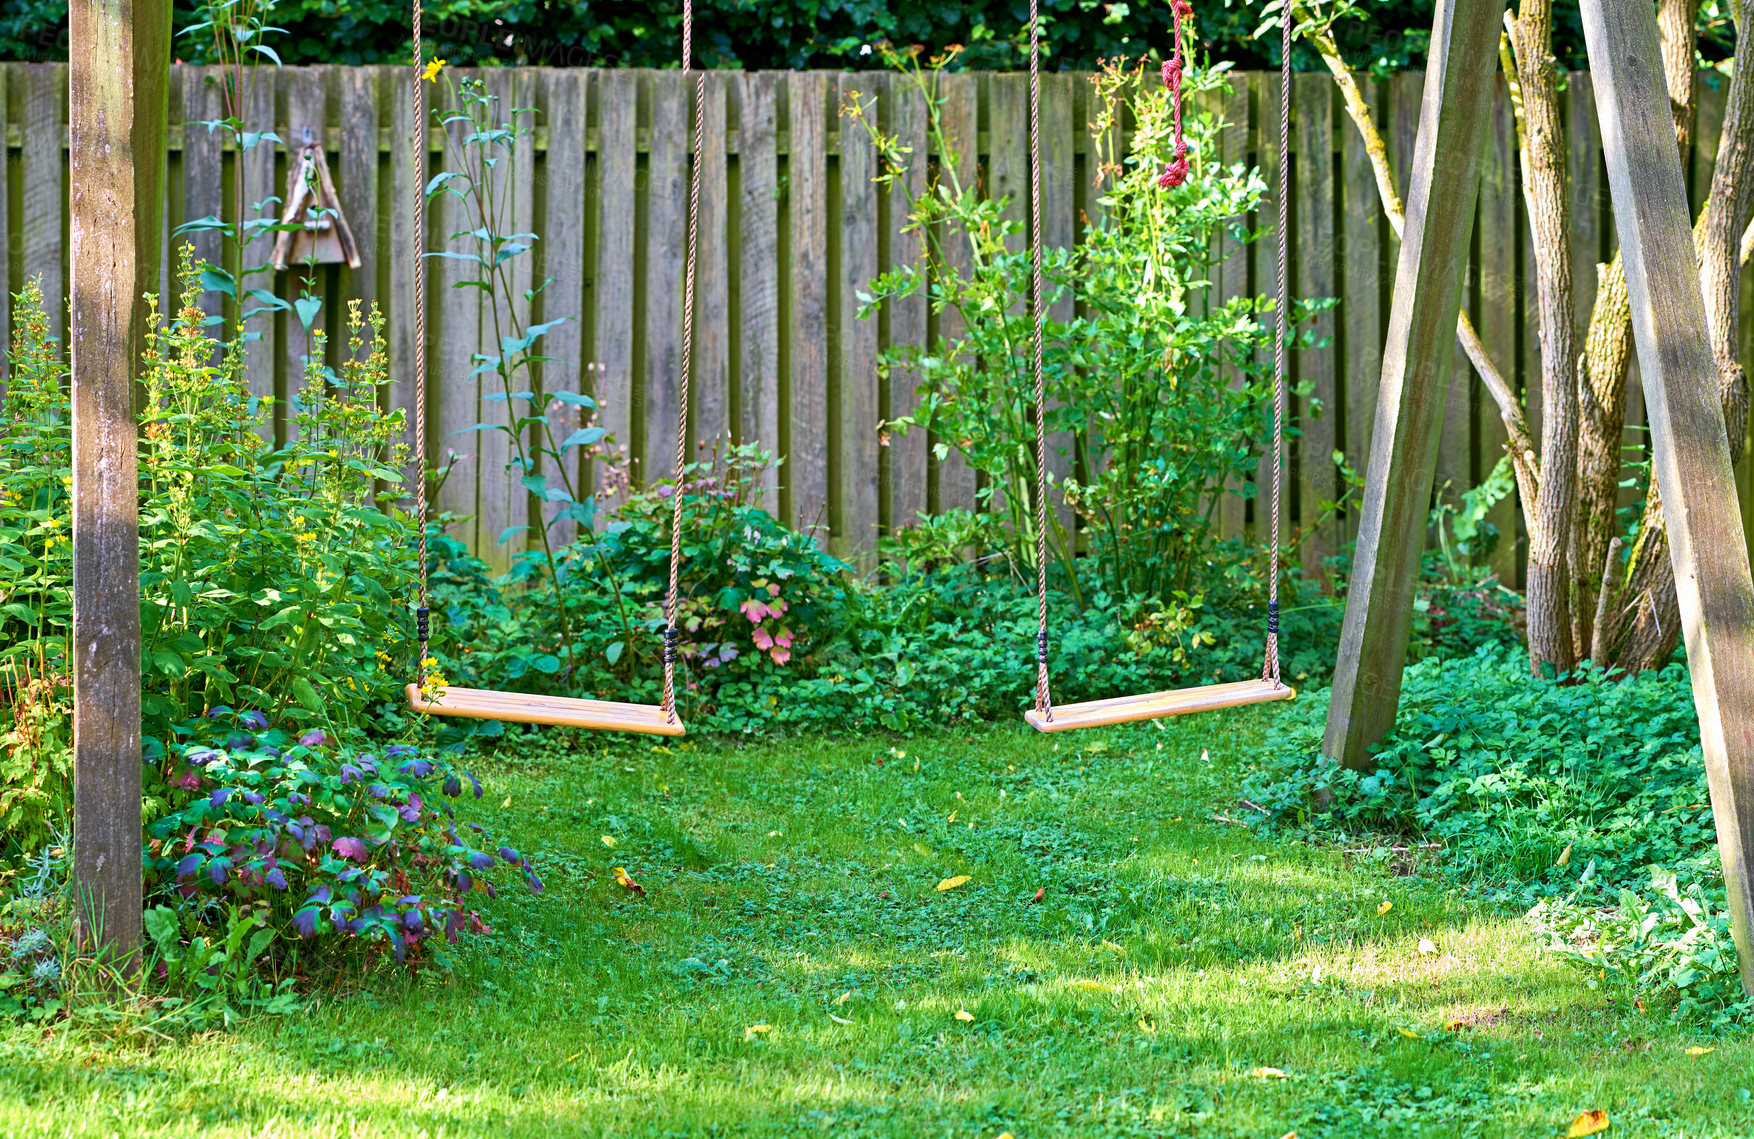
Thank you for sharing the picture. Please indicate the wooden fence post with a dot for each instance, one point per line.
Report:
(120, 84)
(1445, 182)
(1689, 446)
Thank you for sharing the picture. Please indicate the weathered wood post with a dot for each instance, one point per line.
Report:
(1689, 446)
(120, 79)
(1445, 182)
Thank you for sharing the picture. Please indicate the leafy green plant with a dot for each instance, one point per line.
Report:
(1166, 381)
(1523, 780)
(36, 581)
(270, 578)
(303, 840)
(1667, 942)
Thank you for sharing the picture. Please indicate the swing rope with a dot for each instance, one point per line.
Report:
(1175, 173)
(417, 255)
(1270, 666)
(672, 598)
(1043, 697)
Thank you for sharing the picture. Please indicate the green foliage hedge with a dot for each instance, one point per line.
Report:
(1584, 796)
(770, 33)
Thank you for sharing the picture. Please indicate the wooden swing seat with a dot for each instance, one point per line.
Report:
(1154, 705)
(556, 711)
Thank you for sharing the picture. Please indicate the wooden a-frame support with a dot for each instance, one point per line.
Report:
(120, 54)
(1689, 445)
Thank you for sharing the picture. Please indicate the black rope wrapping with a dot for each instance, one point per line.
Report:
(1041, 648)
(1273, 618)
(672, 636)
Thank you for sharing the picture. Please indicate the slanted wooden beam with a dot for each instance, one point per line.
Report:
(120, 80)
(1453, 125)
(1690, 450)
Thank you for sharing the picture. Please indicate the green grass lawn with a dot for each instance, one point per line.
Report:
(794, 969)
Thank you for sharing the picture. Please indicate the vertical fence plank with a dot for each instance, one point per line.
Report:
(959, 95)
(255, 170)
(1361, 316)
(1059, 230)
(1499, 312)
(307, 110)
(757, 368)
(45, 186)
(455, 324)
(1230, 278)
(807, 97)
(560, 262)
(856, 474)
(904, 498)
(401, 252)
(612, 282)
(666, 237)
(203, 188)
(358, 91)
(711, 413)
(1313, 210)
(502, 500)
(1008, 177)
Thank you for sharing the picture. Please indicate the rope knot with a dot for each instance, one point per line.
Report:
(1176, 172)
(1172, 73)
(1182, 9)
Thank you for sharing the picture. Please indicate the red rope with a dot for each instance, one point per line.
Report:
(1177, 171)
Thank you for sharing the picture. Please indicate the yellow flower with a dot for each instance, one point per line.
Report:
(432, 70)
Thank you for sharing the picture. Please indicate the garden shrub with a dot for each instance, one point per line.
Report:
(1167, 384)
(36, 582)
(311, 841)
(1584, 796)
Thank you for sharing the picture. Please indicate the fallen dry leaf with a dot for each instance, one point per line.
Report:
(1092, 986)
(1384, 908)
(1147, 1026)
(963, 1014)
(1455, 1026)
(610, 840)
(839, 1019)
(1426, 945)
(952, 883)
(1589, 1123)
(622, 880)
(1700, 1050)
(1270, 1074)
(1289, 1135)
(1113, 948)
(920, 848)
(1410, 1034)
(1039, 893)
(842, 999)
(755, 1030)
(1564, 855)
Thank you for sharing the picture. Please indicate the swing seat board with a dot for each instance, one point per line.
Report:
(1155, 705)
(556, 711)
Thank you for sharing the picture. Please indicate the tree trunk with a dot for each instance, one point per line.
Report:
(1646, 614)
(1677, 32)
(1602, 419)
(1544, 188)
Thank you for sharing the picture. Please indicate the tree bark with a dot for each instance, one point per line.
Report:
(1601, 422)
(1549, 602)
(1677, 33)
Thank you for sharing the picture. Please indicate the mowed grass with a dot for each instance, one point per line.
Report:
(794, 970)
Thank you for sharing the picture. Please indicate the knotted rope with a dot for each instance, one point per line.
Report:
(1177, 171)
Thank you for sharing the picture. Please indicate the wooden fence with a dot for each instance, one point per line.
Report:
(793, 228)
